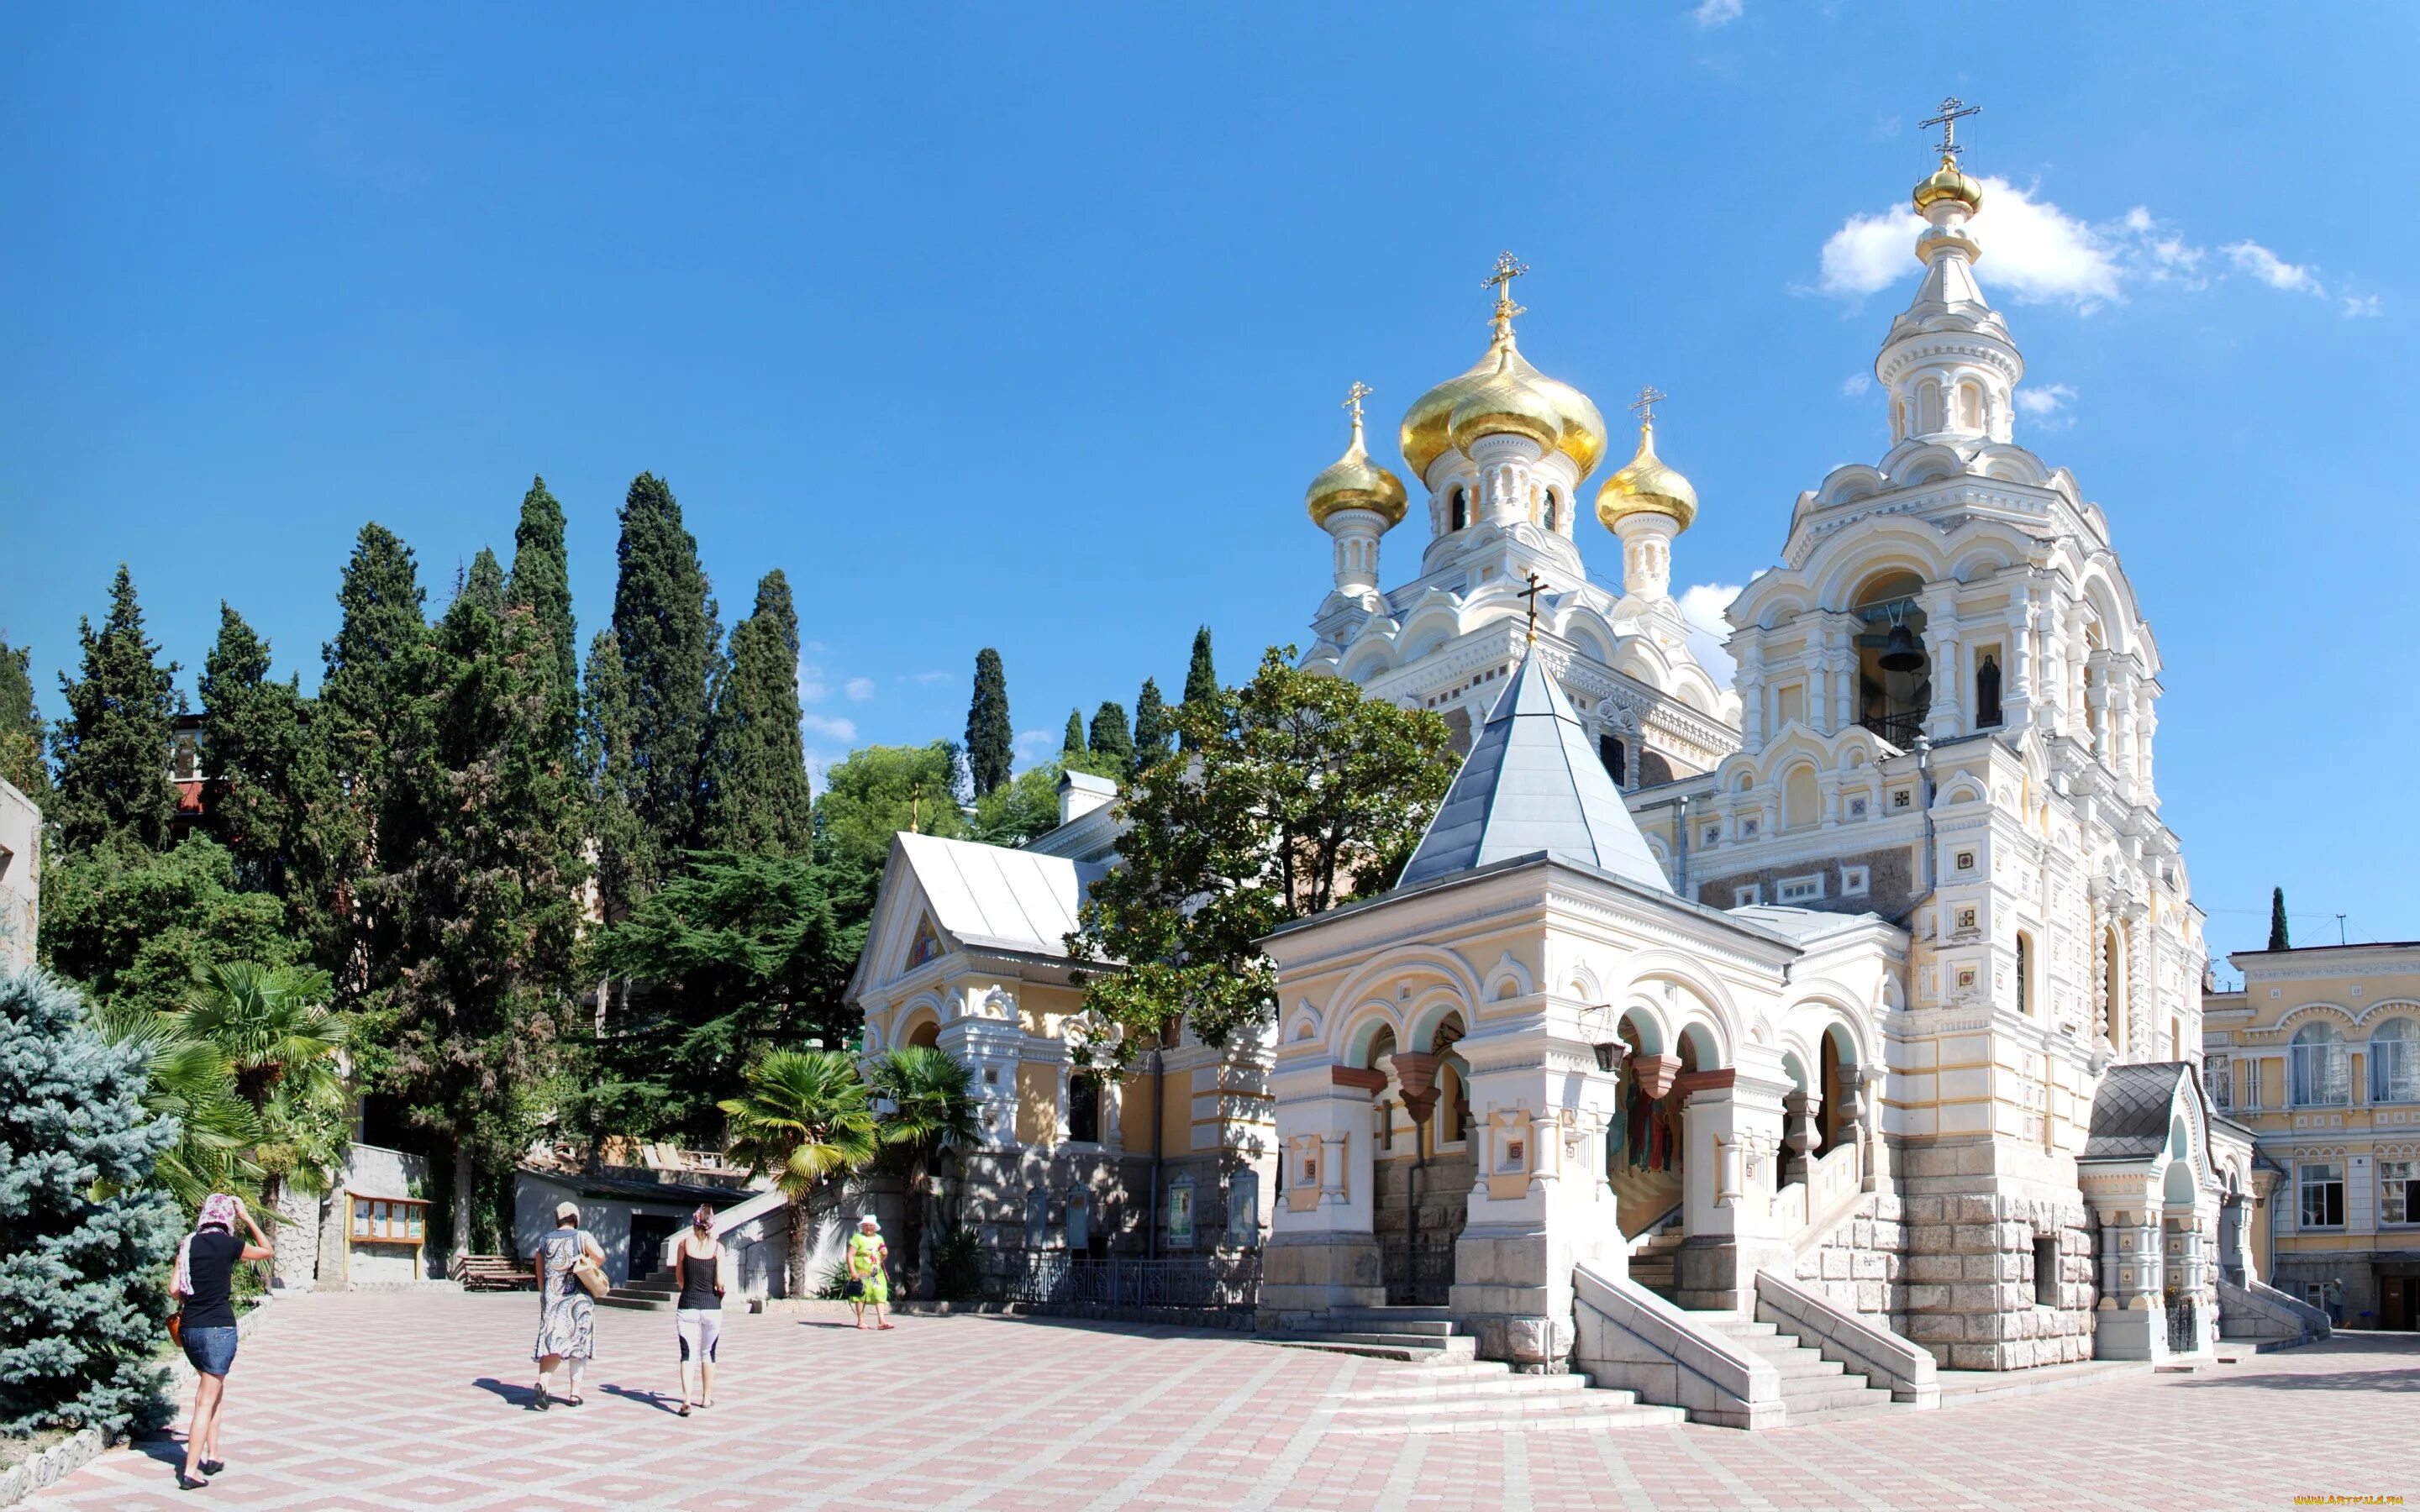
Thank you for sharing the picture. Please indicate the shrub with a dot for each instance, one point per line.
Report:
(85, 1246)
(957, 1266)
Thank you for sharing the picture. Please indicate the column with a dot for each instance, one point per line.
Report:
(1732, 1126)
(2146, 719)
(2128, 1322)
(2017, 697)
(1751, 686)
(2096, 702)
(1945, 719)
(1844, 676)
(1322, 1252)
(2076, 720)
(2121, 702)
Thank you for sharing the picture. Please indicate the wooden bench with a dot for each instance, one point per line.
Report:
(495, 1273)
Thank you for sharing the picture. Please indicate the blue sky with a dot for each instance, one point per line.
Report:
(1027, 326)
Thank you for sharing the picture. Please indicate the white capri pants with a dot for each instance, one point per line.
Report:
(700, 1330)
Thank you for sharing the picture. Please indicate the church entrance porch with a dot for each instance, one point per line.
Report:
(1424, 1174)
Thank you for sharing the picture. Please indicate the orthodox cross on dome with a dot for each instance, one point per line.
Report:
(1508, 267)
(1360, 390)
(1537, 585)
(1953, 110)
(1649, 398)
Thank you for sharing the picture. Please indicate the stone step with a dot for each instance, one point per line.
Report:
(1876, 1401)
(1804, 1364)
(1408, 1315)
(1746, 1328)
(1612, 1418)
(1427, 1388)
(1372, 1323)
(1412, 1346)
(1809, 1397)
(637, 1304)
(1459, 1409)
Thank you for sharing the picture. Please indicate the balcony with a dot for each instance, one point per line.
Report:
(1900, 730)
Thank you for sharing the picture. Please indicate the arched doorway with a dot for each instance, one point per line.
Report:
(1892, 699)
(1422, 1170)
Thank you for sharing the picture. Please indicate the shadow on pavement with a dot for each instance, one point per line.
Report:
(656, 1399)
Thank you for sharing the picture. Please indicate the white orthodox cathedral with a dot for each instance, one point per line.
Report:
(1849, 1014)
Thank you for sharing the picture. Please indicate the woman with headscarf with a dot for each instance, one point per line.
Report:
(566, 1318)
(697, 1262)
(869, 1283)
(205, 1280)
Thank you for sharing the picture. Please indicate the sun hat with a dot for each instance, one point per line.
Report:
(567, 1212)
(869, 1218)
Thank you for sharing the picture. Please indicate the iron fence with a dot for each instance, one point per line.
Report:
(1223, 1281)
(1416, 1276)
(2185, 1327)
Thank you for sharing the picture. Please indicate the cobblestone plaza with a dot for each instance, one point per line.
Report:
(419, 1401)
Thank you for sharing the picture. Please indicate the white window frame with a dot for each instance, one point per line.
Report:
(2407, 1178)
(1856, 881)
(2218, 1081)
(2394, 1067)
(2320, 1074)
(1806, 889)
(1748, 897)
(2314, 1178)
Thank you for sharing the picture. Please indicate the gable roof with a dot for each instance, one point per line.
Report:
(1531, 784)
(989, 897)
(2130, 1111)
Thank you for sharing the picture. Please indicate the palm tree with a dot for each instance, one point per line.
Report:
(284, 1042)
(805, 1118)
(928, 1105)
(192, 1081)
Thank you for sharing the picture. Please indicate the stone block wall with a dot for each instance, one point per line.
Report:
(1971, 1281)
(1863, 1265)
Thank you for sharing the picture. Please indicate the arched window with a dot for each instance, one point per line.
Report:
(1800, 805)
(1653, 767)
(2025, 973)
(1970, 407)
(1610, 751)
(1553, 510)
(1987, 692)
(2322, 1074)
(1928, 407)
(1891, 702)
(1084, 1107)
(2113, 986)
(1458, 509)
(2395, 1062)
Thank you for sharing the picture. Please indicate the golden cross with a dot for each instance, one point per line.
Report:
(1352, 400)
(1537, 585)
(1508, 267)
(1953, 110)
(1649, 398)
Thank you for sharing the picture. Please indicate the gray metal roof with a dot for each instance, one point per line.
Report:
(2130, 1112)
(1531, 785)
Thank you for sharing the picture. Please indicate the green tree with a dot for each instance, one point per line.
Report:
(23, 734)
(1302, 794)
(372, 673)
(803, 1117)
(991, 742)
(475, 906)
(2278, 938)
(113, 742)
(135, 926)
(281, 1039)
(84, 1240)
(879, 791)
(756, 763)
(264, 778)
(1111, 742)
(1071, 745)
(1201, 676)
(483, 584)
(664, 622)
(609, 766)
(541, 582)
(925, 1101)
(190, 1085)
(1154, 729)
(738, 953)
(1025, 806)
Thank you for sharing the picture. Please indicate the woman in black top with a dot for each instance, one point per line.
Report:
(697, 1260)
(205, 1279)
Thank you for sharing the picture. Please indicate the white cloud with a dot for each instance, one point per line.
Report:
(1034, 747)
(842, 729)
(1855, 385)
(860, 689)
(2047, 403)
(928, 679)
(2356, 306)
(2253, 258)
(2039, 254)
(812, 687)
(1711, 13)
(1702, 606)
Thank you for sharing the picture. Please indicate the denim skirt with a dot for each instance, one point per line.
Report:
(210, 1351)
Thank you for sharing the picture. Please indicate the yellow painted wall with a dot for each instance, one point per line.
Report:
(1037, 1102)
(1134, 1112)
(1176, 1117)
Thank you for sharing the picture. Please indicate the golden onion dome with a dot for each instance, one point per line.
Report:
(1355, 482)
(1948, 183)
(1427, 431)
(1646, 487)
(1507, 402)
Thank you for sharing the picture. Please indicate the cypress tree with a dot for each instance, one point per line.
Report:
(605, 762)
(113, 743)
(1151, 726)
(541, 582)
(484, 582)
(22, 732)
(991, 742)
(256, 768)
(1201, 678)
(757, 763)
(2277, 938)
(1111, 741)
(665, 626)
(1071, 745)
(374, 667)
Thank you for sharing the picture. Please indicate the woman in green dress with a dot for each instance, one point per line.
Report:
(867, 1257)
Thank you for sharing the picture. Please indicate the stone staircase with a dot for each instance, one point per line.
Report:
(1653, 1263)
(1416, 1334)
(1442, 1387)
(1815, 1390)
(654, 1293)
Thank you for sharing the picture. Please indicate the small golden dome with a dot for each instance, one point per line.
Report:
(1355, 482)
(1948, 183)
(1428, 426)
(1646, 487)
(1506, 403)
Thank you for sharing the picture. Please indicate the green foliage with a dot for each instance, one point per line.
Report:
(1112, 741)
(136, 927)
(2278, 937)
(24, 737)
(756, 766)
(925, 1101)
(664, 623)
(1201, 676)
(1155, 728)
(879, 791)
(1298, 794)
(736, 953)
(957, 1266)
(607, 765)
(85, 1243)
(112, 741)
(1025, 806)
(267, 781)
(991, 741)
(541, 582)
(803, 1117)
(483, 584)
(1071, 745)
(372, 671)
(190, 1086)
(281, 1040)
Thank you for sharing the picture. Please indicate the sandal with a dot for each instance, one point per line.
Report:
(542, 1401)
(212, 1467)
(187, 1483)
(574, 1399)
(683, 1409)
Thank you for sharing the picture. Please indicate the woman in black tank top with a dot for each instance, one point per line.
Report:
(697, 1260)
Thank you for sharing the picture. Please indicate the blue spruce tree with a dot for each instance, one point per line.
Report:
(85, 1245)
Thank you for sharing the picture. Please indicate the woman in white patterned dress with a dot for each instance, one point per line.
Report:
(567, 1320)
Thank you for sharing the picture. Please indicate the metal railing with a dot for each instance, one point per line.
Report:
(1221, 1281)
(1900, 730)
(1416, 1276)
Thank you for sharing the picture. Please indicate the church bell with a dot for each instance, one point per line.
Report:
(1901, 653)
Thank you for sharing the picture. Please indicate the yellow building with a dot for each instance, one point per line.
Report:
(2319, 1055)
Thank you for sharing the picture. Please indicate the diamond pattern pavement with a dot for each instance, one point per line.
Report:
(384, 1402)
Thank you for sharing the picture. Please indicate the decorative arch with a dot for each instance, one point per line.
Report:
(1508, 972)
(1362, 1028)
(1408, 960)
